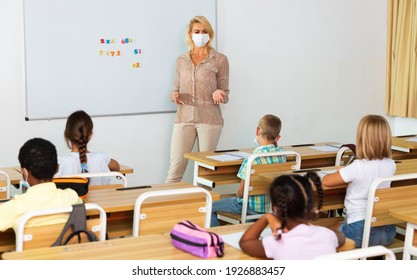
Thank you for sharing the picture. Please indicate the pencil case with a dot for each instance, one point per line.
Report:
(197, 241)
(78, 184)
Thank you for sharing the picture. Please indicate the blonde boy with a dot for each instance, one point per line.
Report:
(267, 136)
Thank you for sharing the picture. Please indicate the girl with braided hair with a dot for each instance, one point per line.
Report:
(77, 134)
(293, 238)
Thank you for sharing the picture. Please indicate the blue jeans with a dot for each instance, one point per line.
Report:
(383, 235)
(230, 205)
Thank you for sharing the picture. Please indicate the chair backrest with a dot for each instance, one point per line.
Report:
(113, 174)
(151, 219)
(340, 153)
(45, 236)
(360, 253)
(381, 200)
(256, 185)
(5, 188)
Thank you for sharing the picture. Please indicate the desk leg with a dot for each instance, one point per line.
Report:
(197, 179)
(409, 248)
(196, 166)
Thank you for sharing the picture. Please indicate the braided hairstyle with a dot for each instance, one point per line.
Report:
(293, 196)
(77, 132)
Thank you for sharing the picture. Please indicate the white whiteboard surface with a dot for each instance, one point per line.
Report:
(68, 67)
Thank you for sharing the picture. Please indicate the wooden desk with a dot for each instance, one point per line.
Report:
(409, 215)
(120, 205)
(14, 174)
(212, 173)
(146, 247)
(402, 148)
(112, 200)
(334, 196)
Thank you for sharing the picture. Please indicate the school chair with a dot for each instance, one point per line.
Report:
(360, 253)
(340, 155)
(380, 201)
(5, 189)
(255, 185)
(153, 219)
(44, 236)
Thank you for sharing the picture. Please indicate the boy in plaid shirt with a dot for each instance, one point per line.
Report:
(267, 136)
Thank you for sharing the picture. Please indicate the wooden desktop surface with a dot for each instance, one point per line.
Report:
(408, 214)
(402, 167)
(307, 154)
(212, 173)
(112, 200)
(145, 247)
(334, 196)
(404, 141)
(403, 148)
(14, 174)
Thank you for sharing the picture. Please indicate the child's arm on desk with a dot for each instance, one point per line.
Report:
(250, 242)
(114, 165)
(332, 180)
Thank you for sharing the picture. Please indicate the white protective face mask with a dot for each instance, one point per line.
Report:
(200, 40)
(256, 141)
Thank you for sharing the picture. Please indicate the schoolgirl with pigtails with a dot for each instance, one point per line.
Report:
(293, 237)
(77, 134)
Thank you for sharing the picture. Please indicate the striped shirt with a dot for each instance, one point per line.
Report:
(260, 203)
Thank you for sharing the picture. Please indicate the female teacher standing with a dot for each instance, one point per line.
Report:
(201, 84)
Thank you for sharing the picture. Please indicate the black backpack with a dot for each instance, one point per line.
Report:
(77, 223)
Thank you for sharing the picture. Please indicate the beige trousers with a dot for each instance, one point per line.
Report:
(184, 136)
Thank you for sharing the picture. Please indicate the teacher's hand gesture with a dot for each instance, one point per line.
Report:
(176, 98)
(218, 96)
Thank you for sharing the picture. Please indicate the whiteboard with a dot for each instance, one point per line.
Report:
(104, 57)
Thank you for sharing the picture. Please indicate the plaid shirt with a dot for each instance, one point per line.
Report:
(260, 203)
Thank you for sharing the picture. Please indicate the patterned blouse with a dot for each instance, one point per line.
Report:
(196, 85)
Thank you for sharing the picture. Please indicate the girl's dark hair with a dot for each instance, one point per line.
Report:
(293, 197)
(77, 132)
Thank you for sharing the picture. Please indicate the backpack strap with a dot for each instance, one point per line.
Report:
(77, 222)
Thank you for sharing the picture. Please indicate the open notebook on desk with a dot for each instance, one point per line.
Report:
(233, 238)
(230, 156)
(327, 147)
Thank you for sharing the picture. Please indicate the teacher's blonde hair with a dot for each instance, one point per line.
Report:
(373, 138)
(206, 24)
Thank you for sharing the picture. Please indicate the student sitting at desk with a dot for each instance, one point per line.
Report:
(267, 136)
(373, 152)
(78, 132)
(293, 238)
(38, 161)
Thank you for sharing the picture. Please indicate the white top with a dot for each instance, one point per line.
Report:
(97, 162)
(304, 242)
(360, 175)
